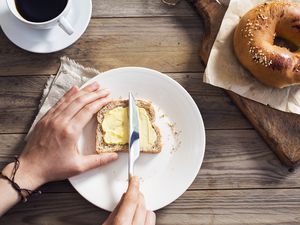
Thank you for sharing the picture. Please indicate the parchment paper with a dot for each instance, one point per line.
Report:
(223, 69)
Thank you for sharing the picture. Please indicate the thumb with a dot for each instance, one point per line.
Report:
(93, 161)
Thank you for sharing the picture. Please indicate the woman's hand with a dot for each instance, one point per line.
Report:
(131, 210)
(51, 151)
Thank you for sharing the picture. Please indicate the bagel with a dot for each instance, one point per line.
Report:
(254, 46)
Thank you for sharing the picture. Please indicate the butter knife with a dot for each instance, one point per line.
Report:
(134, 135)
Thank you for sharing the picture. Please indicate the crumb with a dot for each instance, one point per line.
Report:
(177, 133)
(178, 144)
(162, 116)
(176, 136)
(172, 126)
(173, 149)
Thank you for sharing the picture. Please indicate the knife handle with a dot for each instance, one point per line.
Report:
(132, 157)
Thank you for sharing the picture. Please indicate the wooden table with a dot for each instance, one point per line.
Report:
(240, 182)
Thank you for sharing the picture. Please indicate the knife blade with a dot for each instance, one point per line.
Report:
(134, 135)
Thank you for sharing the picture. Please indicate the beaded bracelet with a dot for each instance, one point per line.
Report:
(23, 192)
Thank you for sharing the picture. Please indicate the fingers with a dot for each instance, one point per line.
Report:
(150, 218)
(128, 203)
(141, 212)
(66, 101)
(87, 112)
(131, 209)
(79, 103)
(89, 162)
(67, 95)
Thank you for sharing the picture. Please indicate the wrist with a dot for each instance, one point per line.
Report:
(25, 176)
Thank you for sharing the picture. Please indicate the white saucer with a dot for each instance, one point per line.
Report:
(46, 41)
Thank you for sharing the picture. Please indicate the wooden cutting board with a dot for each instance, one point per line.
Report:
(280, 130)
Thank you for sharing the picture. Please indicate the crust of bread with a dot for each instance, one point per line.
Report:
(102, 147)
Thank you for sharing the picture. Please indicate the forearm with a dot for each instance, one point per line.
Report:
(8, 195)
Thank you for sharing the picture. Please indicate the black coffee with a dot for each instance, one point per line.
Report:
(40, 10)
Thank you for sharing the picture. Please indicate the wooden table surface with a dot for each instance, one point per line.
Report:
(240, 182)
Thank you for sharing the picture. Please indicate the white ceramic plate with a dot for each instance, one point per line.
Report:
(50, 40)
(164, 176)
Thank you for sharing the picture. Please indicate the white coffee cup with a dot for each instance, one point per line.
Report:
(58, 20)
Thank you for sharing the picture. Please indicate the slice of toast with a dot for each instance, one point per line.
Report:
(102, 147)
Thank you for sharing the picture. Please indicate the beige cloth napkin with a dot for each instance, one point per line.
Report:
(69, 74)
(223, 69)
